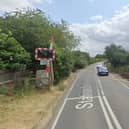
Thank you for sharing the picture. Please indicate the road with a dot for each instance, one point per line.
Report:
(94, 102)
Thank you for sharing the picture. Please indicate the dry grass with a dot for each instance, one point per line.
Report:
(27, 111)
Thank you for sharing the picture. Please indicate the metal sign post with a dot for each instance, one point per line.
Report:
(51, 63)
(45, 56)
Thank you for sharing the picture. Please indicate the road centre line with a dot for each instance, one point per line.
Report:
(101, 89)
(112, 113)
(109, 123)
(107, 118)
(63, 105)
(114, 118)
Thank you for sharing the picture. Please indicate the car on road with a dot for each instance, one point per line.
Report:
(99, 65)
(103, 71)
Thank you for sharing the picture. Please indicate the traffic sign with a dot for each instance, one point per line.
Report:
(44, 54)
(44, 62)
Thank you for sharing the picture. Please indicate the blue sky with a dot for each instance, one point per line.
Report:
(80, 11)
(97, 22)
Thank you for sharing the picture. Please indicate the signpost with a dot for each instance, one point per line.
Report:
(46, 57)
(51, 63)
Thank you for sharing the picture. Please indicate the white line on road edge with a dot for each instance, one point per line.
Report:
(62, 107)
(116, 122)
(124, 85)
(109, 123)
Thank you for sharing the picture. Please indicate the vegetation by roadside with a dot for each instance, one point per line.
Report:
(22, 31)
(33, 109)
(123, 71)
(117, 60)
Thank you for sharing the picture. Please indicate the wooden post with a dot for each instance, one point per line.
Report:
(52, 73)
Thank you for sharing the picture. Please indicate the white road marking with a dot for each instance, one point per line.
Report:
(86, 99)
(124, 85)
(112, 113)
(81, 106)
(109, 123)
(101, 89)
(85, 102)
(62, 107)
(107, 118)
(87, 92)
(116, 122)
(75, 98)
(105, 114)
(82, 97)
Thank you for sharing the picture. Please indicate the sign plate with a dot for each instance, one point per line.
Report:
(44, 62)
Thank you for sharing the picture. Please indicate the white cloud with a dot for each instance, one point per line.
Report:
(97, 18)
(98, 35)
(41, 1)
(8, 5)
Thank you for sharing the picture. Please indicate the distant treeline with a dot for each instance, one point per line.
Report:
(116, 58)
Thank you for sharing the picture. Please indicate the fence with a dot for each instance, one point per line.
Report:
(7, 76)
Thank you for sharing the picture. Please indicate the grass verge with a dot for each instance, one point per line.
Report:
(26, 111)
(123, 71)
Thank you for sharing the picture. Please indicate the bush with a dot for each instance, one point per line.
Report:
(62, 65)
(12, 55)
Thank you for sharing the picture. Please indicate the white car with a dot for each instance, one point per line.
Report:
(103, 71)
(99, 65)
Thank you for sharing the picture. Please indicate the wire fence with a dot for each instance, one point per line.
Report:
(8, 77)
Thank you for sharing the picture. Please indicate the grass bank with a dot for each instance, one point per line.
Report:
(25, 109)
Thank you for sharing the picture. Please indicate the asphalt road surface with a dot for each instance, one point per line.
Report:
(94, 102)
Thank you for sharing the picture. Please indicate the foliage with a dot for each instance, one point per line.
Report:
(118, 60)
(62, 64)
(81, 59)
(32, 29)
(116, 55)
(100, 57)
(12, 55)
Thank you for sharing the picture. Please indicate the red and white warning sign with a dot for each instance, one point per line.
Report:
(44, 54)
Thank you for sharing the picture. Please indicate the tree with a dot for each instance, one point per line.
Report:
(81, 59)
(12, 55)
(116, 55)
(32, 29)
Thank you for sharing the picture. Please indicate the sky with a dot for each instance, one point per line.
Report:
(97, 22)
